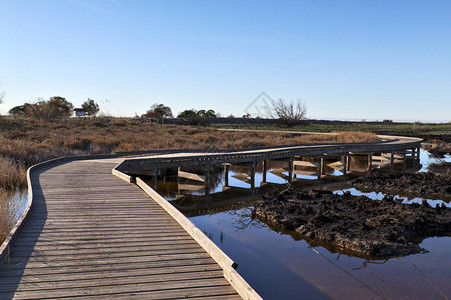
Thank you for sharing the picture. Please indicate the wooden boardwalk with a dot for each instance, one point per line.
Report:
(93, 235)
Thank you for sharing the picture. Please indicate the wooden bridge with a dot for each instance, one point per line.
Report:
(86, 233)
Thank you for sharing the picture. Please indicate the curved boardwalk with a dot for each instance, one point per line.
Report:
(93, 235)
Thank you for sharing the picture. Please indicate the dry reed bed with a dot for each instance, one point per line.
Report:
(24, 142)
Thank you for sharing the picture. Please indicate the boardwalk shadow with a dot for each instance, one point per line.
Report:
(12, 271)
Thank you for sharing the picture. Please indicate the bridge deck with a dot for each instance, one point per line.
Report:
(93, 235)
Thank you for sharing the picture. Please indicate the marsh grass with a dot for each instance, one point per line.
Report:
(24, 142)
(10, 209)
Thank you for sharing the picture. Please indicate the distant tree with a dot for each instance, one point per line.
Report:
(20, 110)
(197, 113)
(189, 113)
(159, 111)
(54, 108)
(206, 114)
(62, 107)
(289, 114)
(91, 107)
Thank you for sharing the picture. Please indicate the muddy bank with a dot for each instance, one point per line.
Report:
(418, 183)
(371, 228)
(442, 168)
(437, 147)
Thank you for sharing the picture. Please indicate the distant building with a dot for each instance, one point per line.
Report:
(80, 112)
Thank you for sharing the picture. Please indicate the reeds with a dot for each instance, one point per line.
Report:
(9, 213)
(24, 142)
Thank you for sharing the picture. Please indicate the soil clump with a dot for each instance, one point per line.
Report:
(442, 168)
(373, 228)
(410, 183)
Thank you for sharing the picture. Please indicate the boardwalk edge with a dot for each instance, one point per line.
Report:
(227, 264)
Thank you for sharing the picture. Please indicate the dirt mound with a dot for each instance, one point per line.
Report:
(418, 183)
(442, 168)
(372, 228)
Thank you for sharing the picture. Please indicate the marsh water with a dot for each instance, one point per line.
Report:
(279, 265)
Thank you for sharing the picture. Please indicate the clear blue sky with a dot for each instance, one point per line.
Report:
(345, 59)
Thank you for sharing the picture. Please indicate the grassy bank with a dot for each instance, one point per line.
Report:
(440, 131)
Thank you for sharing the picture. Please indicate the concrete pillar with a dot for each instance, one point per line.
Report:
(226, 174)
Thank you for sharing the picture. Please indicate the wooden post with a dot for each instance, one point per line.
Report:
(226, 174)
(370, 161)
(290, 170)
(345, 164)
(418, 156)
(392, 160)
(155, 179)
(207, 180)
(321, 167)
(264, 170)
(253, 175)
(405, 159)
(349, 161)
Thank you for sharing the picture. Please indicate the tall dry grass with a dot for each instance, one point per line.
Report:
(24, 142)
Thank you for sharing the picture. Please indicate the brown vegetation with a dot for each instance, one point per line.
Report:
(24, 142)
(437, 146)
(9, 213)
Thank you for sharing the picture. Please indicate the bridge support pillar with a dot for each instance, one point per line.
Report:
(392, 160)
(207, 180)
(321, 167)
(417, 160)
(226, 174)
(264, 170)
(345, 164)
(155, 179)
(370, 161)
(253, 175)
(290, 170)
(405, 158)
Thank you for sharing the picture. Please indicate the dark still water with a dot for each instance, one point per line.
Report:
(278, 266)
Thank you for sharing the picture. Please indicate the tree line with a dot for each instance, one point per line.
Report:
(55, 108)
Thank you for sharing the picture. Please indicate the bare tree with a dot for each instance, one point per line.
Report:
(288, 113)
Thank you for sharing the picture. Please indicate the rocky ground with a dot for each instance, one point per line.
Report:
(368, 227)
(418, 183)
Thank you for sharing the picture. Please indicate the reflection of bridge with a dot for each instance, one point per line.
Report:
(86, 233)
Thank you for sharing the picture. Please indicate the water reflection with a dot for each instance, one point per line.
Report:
(280, 265)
